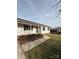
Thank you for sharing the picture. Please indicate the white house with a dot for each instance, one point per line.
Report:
(25, 27)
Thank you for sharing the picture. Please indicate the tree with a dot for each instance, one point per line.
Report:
(58, 5)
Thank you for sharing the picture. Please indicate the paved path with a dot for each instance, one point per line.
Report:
(28, 46)
(20, 52)
(33, 44)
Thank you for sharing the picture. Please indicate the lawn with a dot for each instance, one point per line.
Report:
(50, 49)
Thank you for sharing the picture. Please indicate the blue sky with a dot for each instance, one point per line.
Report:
(40, 11)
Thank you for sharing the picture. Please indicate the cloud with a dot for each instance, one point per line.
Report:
(48, 16)
(33, 8)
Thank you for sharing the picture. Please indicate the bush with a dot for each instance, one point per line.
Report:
(31, 37)
(22, 39)
(39, 35)
(28, 38)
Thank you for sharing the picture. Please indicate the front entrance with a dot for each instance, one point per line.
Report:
(38, 29)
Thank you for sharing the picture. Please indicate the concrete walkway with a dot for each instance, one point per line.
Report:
(33, 44)
(20, 52)
(21, 49)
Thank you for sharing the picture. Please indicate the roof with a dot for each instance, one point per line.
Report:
(22, 21)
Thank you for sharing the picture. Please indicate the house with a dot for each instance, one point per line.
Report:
(56, 30)
(25, 27)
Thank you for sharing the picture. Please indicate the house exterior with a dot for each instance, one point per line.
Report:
(25, 27)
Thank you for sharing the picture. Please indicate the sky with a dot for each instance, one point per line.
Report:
(40, 11)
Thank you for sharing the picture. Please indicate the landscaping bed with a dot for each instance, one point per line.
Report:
(28, 38)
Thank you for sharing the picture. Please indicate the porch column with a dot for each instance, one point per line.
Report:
(30, 27)
(38, 29)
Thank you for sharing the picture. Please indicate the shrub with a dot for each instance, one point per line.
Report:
(22, 39)
(39, 35)
(28, 38)
(31, 37)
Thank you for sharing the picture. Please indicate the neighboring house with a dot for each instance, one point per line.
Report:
(25, 27)
(56, 30)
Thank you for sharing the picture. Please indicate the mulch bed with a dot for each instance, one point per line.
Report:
(28, 38)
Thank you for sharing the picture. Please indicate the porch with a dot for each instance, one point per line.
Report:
(28, 29)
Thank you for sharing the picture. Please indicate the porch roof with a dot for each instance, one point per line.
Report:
(22, 21)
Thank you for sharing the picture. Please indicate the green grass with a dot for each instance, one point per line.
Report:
(50, 49)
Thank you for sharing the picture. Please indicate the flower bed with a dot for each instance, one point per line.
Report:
(28, 38)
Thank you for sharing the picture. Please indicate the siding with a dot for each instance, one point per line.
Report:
(20, 31)
(46, 30)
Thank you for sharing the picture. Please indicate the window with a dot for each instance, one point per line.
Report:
(31, 27)
(48, 28)
(26, 27)
(43, 28)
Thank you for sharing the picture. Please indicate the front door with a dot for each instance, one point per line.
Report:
(38, 29)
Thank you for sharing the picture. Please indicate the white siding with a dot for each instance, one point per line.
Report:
(46, 30)
(34, 30)
(20, 31)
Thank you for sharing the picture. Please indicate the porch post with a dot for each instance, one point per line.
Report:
(38, 28)
(30, 27)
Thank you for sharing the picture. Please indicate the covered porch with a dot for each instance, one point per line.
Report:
(29, 28)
